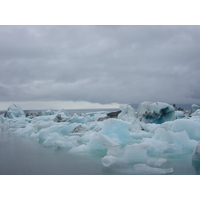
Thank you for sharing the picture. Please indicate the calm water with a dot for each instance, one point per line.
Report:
(24, 156)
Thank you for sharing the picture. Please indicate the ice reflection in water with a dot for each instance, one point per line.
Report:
(20, 155)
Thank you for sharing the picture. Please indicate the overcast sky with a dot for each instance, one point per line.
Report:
(103, 64)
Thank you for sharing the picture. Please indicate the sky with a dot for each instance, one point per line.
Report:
(100, 64)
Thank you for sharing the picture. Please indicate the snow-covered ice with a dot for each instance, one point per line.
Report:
(142, 138)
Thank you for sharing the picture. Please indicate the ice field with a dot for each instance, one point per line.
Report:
(156, 138)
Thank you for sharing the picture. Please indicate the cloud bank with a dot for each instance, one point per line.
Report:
(104, 64)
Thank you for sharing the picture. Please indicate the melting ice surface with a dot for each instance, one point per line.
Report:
(155, 139)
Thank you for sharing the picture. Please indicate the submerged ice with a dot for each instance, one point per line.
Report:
(141, 138)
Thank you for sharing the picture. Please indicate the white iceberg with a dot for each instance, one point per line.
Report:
(14, 111)
(195, 107)
(196, 153)
(127, 113)
(196, 113)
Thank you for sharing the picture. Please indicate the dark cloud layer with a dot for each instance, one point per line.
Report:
(124, 64)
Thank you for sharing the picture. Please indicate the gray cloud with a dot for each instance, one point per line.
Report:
(124, 64)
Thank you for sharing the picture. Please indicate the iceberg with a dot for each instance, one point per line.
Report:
(156, 112)
(78, 119)
(179, 114)
(63, 111)
(46, 113)
(195, 107)
(196, 153)
(14, 111)
(196, 113)
(164, 142)
(142, 139)
(118, 130)
(129, 154)
(127, 113)
(190, 126)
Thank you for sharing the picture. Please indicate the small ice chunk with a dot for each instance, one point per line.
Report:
(145, 169)
(156, 162)
(108, 160)
(98, 142)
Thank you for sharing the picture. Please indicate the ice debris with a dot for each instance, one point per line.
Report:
(140, 138)
(145, 169)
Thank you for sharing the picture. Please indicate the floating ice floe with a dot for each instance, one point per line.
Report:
(145, 169)
(128, 154)
(140, 138)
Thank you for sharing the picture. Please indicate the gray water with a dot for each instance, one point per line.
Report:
(23, 156)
